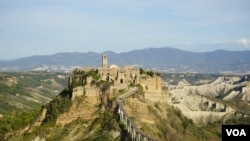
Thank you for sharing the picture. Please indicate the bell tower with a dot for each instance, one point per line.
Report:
(104, 61)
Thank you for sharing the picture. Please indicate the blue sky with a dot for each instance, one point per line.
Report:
(42, 27)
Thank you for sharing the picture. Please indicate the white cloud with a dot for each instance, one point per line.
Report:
(245, 42)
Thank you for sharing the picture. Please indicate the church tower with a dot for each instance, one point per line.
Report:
(104, 61)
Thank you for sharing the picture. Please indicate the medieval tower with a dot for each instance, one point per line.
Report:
(104, 61)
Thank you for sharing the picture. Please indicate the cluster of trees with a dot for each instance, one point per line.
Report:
(94, 74)
(58, 105)
(149, 73)
(79, 77)
(17, 120)
(5, 89)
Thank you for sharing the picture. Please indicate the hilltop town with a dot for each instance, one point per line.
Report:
(101, 85)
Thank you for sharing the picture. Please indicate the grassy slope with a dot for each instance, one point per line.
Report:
(31, 90)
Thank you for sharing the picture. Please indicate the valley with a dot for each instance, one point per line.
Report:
(27, 90)
(192, 106)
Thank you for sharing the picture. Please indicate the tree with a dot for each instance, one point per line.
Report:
(141, 71)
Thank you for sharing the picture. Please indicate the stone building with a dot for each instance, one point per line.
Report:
(123, 77)
(119, 76)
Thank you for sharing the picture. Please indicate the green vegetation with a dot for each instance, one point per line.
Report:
(16, 121)
(19, 120)
(149, 73)
(192, 78)
(6, 107)
(140, 88)
(58, 105)
(103, 125)
(79, 77)
(94, 74)
(242, 107)
(176, 126)
(97, 129)
(141, 71)
(20, 91)
(12, 90)
(171, 124)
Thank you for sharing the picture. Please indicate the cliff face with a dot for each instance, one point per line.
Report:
(83, 108)
(246, 92)
(151, 84)
(89, 97)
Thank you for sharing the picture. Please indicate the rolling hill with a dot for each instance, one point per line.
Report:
(161, 59)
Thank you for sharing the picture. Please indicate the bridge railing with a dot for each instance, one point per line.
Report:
(136, 133)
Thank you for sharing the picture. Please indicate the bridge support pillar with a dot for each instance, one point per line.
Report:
(133, 134)
(129, 126)
(138, 137)
(121, 116)
(126, 121)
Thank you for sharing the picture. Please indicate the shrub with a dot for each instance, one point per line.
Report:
(17, 121)
(59, 104)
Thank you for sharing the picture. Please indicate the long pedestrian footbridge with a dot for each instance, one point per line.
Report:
(135, 133)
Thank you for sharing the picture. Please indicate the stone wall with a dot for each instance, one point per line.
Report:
(78, 91)
(151, 84)
(119, 76)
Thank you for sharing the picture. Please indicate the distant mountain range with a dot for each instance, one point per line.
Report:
(161, 59)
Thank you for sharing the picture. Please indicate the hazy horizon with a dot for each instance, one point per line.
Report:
(11, 59)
